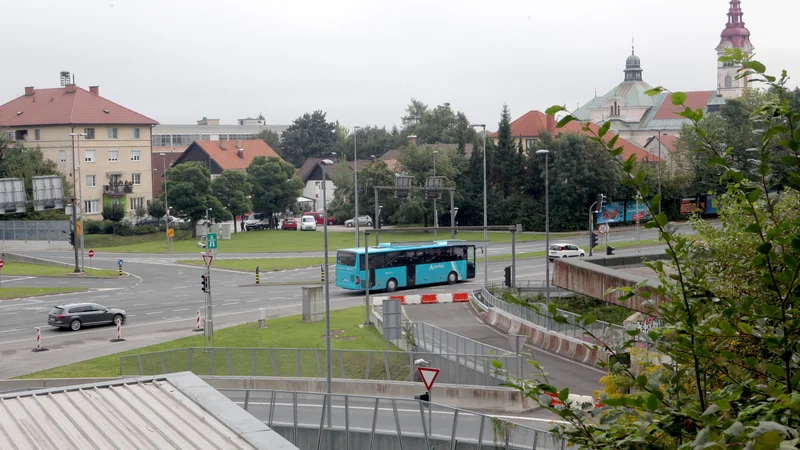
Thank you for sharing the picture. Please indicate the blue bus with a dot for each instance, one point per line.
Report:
(400, 265)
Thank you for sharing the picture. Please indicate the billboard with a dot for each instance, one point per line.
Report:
(689, 206)
(612, 213)
(12, 195)
(636, 211)
(711, 204)
(47, 193)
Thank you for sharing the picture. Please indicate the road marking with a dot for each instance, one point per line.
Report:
(145, 304)
(16, 279)
(15, 329)
(253, 301)
(170, 303)
(17, 312)
(150, 290)
(158, 312)
(234, 303)
(186, 309)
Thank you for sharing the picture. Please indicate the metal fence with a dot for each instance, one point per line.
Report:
(456, 368)
(314, 421)
(34, 230)
(610, 333)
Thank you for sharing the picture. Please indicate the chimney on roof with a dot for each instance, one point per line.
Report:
(240, 152)
(551, 125)
(71, 88)
(239, 144)
(94, 90)
(223, 144)
(412, 140)
(29, 90)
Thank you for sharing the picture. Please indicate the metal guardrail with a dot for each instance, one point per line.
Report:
(609, 333)
(456, 368)
(322, 421)
(34, 230)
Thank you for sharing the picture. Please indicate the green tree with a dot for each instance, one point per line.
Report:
(156, 208)
(275, 186)
(232, 189)
(190, 191)
(140, 212)
(308, 136)
(504, 171)
(724, 371)
(417, 161)
(114, 213)
(272, 138)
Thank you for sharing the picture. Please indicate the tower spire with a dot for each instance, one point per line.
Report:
(735, 33)
(633, 65)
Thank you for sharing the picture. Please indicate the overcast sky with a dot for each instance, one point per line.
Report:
(362, 60)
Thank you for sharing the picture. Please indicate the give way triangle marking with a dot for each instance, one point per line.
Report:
(428, 376)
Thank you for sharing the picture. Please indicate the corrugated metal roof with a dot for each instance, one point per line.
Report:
(177, 411)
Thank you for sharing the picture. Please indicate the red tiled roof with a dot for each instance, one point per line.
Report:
(628, 147)
(229, 159)
(667, 141)
(60, 107)
(694, 100)
(530, 124)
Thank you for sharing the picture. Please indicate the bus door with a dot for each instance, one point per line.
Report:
(411, 267)
(470, 261)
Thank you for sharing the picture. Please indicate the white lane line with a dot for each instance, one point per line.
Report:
(131, 315)
(17, 279)
(150, 290)
(186, 309)
(253, 301)
(170, 303)
(232, 303)
(9, 331)
(143, 304)
(155, 312)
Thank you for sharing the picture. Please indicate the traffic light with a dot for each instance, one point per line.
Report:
(426, 397)
(593, 239)
(205, 282)
(507, 273)
(600, 200)
(72, 237)
(610, 250)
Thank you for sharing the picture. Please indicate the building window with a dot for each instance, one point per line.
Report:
(136, 155)
(161, 140)
(37, 134)
(530, 143)
(135, 133)
(62, 156)
(89, 133)
(91, 206)
(89, 156)
(728, 82)
(91, 180)
(136, 202)
(113, 155)
(112, 133)
(21, 135)
(10, 136)
(136, 178)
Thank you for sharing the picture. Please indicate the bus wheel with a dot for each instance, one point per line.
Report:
(452, 278)
(391, 285)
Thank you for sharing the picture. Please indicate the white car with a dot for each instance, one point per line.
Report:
(565, 250)
(308, 223)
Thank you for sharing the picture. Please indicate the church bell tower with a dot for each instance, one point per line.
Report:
(735, 35)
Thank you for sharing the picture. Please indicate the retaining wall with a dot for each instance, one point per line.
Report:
(13, 257)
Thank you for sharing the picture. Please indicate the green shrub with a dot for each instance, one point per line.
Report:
(146, 229)
(125, 229)
(107, 227)
(93, 226)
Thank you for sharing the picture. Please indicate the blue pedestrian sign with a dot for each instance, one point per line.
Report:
(119, 263)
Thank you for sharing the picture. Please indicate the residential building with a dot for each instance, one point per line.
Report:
(638, 117)
(178, 137)
(312, 177)
(218, 156)
(113, 164)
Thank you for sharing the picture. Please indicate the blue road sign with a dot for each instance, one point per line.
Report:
(119, 263)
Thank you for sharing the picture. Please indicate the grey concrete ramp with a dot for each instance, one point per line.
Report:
(460, 318)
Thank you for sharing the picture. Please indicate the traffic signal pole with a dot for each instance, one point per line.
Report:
(591, 226)
(74, 232)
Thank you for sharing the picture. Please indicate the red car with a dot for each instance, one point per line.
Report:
(290, 223)
(318, 217)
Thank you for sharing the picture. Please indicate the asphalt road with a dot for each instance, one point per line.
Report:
(361, 415)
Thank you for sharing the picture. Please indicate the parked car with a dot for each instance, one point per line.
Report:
(565, 250)
(150, 221)
(74, 316)
(362, 220)
(308, 223)
(289, 223)
(318, 217)
(256, 221)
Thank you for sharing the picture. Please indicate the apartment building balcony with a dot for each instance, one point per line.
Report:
(117, 190)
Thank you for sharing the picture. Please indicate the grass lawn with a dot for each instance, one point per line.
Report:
(264, 264)
(292, 241)
(17, 268)
(282, 332)
(16, 292)
(96, 241)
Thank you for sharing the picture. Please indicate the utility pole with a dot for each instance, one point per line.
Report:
(74, 234)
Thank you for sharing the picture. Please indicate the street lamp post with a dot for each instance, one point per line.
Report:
(485, 234)
(435, 211)
(659, 171)
(166, 200)
(80, 187)
(546, 154)
(321, 165)
(355, 171)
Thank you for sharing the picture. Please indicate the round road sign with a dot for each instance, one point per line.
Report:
(603, 228)
(119, 263)
(91, 253)
(1, 263)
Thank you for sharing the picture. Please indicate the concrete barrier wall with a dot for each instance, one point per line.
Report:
(551, 341)
(592, 280)
(13, 257)
(479, 398)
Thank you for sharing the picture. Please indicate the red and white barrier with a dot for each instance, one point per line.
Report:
(424, 299)
(119, 334)
(39, 347)
(197, 326)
